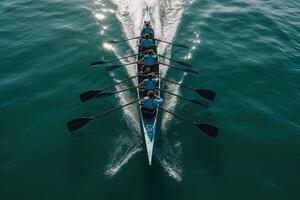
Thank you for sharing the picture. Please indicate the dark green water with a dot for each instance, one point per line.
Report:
(246, 51)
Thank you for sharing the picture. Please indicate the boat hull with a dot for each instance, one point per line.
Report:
(148, 124)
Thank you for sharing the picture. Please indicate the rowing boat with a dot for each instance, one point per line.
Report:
(148, 123)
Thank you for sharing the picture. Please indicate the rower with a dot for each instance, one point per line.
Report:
(147, 29)
(150, 103)
(149, 61)
(149, 83)
(146, 43)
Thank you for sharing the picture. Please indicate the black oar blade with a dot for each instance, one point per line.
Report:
(99, 62)
(104, 94)
(208, 94)
(208, 129)
(202, 104)
(78, 123)
(89, 95)
(112, 67)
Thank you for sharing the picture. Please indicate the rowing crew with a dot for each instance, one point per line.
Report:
(149, 64)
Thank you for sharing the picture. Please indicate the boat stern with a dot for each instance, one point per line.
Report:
(149, 129)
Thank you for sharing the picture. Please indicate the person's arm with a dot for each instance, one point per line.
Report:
(141, 44)
(141, 102)
(159, 99)
(142, 83)
(141, 61)
(155, 60)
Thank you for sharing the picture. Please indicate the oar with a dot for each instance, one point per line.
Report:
(180, 69)
(174, 44)
(208, 94)
(109, 61)
(118, 41)
(113, 67)
(100, 62)
(205, 128)
(177, 61)
(80, 122)
(92, 93)
(107, 94)
(194, 101)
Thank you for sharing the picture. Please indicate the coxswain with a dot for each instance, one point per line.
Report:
(150, 103)
(147, 29)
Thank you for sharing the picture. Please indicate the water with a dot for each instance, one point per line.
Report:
(246, 51)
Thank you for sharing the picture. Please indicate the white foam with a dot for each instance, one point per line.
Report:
(123, 151)
(170, 157)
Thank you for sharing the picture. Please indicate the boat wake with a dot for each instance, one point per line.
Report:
(166, 15)
(124, 149)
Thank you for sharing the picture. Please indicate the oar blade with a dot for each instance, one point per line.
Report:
(202, 104)
(112, 67)
(89, 95)
(78, 123)
(104, 94)
(208, 94)
(99, 62)
(208, 129)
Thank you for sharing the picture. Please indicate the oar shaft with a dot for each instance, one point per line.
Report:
(184, 86)
(126, 89)
(118, 41)
(178, 116)
(101, 62)
(113, 67)
(164, 41)
(114, 109)
(111, 86)
(174, 44)
(207, 129)
(175, 95)
(168, 58)
(121, 58)
(197, 102)
(180, 69)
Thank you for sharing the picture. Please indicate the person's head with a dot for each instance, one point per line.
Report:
(147, 36)
(150, 52)
(147, 23)
(151, 75)
(151, 94)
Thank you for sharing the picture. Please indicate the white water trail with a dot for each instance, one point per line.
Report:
(166, 16)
